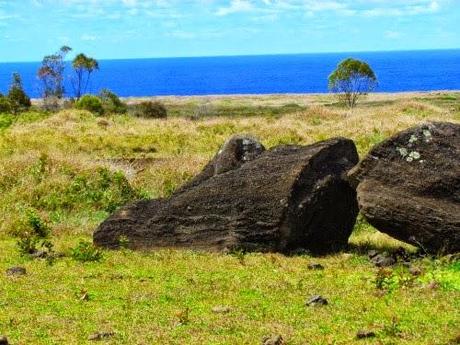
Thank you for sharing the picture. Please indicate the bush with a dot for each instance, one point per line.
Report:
(34, 236)
(19, 100)
(5, 105)
(90, 103)
(86, 252)
(112, 103)
(153, 110)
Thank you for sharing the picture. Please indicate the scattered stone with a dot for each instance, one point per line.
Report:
(315, 266)
(16, 271)
(39, 254)
(363, 334)
(372, 253)
(250, 199)
(273, 340)
(316, 300)
(101, 335)
(221, 309)
(3, 340)
(383, 260)
(415, 271)
(410, 189)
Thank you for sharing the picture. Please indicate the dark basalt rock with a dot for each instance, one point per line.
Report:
(16, 271)
(409, 186)
(316, 300)
(252, 199)
(363, 334)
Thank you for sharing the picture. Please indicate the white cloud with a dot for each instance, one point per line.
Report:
(235, 7)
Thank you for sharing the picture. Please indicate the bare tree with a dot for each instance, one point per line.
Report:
(51, 73)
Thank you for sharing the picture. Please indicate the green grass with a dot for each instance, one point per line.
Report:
(71, 169)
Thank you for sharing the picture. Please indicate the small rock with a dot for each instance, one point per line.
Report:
(372, 253)
(3, 340)
(274, 340)
(316, 300)
(39, 254)
(101, 335)
(415, 271)
(221, 309)
(16, 271)
(315, 266)
(362, 334)
(382, 260)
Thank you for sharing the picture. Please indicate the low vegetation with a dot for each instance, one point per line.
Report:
(64, 172)
(149, 110)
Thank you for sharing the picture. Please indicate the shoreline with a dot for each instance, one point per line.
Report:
(372, 95)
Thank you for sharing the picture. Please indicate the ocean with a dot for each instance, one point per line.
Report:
(265, 74)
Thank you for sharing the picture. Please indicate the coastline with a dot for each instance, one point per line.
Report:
(301, 97)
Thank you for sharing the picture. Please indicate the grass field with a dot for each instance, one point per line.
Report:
(67, 171)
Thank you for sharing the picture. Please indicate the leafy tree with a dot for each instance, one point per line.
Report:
(351, 79)
(83, 66)
(17, 97)
(51, 73)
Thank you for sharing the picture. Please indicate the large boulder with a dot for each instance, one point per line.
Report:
(250, 198)
(409, 186)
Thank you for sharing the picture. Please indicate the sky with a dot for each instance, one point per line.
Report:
(115, 29)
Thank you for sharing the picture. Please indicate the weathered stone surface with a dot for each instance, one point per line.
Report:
(248, 198)
(409, 186)
(235, 152)
(3, 340)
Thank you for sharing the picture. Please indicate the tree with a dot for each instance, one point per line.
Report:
(351, 79)
(51, 73)
(17, 97)
(83, 67)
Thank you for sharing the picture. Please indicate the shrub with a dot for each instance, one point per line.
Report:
(5, 105)
(35, 235)
(112, 103)
(153, 110)
(19, 100)
(86, 252)
(90, 103)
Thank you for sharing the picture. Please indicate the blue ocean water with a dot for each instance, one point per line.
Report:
(302, 73)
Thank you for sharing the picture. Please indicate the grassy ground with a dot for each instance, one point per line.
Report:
(71, 169)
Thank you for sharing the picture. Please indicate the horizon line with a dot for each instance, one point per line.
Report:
(254, 55)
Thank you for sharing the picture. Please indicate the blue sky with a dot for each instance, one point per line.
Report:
(30, 29)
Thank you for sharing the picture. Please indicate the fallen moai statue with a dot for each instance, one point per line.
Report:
(408, 186)
(249, 198)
